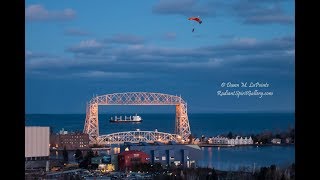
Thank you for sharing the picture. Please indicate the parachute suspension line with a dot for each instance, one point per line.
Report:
(195, 20)
(193, 25)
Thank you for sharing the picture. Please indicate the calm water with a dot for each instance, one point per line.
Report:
(250, 157)
(201, 124)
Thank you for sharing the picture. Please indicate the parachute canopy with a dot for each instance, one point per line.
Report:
(195, 19)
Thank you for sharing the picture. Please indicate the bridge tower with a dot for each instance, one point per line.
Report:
(91, 126)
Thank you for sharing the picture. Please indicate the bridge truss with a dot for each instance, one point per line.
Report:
(138, 136)
(91, 126)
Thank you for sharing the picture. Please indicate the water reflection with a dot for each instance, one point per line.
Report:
(247, 157)
(210, 157)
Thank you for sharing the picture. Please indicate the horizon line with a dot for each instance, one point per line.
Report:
(218, 112)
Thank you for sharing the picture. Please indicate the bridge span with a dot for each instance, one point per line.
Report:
(91, 126)
(138, 136)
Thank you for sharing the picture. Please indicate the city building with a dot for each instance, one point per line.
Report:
(276, 141)
(219, 140)
(288, 140)
(167, 155)
(105, 163)
(196, 141)
(62, 131)
(37, 149)
(127, 159)
(72, 141)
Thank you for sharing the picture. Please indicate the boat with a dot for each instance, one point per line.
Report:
(134, 118)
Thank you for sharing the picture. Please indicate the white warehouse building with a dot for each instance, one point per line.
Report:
(226, 141)
(36, 147)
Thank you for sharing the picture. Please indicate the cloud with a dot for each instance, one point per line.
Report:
(248, 12)
(226, 36)
(251, 45)
(156, 53)
(89, 73)
(94, 59)
(37, 12)
(236, 47)
(87, 47)
(263, 19)
(170, 36)
(28, 53)
(256, 12)
(290, 52)
(125, 39)
(244, 41)
(103, 74)
(34, 55)
(182, 7)
(210, 63)
(47, 63)
(75, 32)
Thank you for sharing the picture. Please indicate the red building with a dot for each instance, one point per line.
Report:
(127, 159)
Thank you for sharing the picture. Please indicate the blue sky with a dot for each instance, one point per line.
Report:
(75, 49)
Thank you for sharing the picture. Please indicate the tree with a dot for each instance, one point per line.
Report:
(84, 164)
(278, 136)
(78, 155)
(157, 167)
(65, 155)
(265, 137)
(172, 166)
(230, 135)
(190, 139)
(292, 133)
(51, 130)
(262, 173)
(89, 155)
(96, 154)
(202, 138)
(254, 138)
(212, 175)
(87, 160)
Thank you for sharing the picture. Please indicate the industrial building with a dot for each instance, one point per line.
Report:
(127, 159)
(36, 142)
(37, 147)
(168, 154)
(72, 141)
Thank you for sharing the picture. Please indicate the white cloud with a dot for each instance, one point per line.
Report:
(247, 41)
(290, 52)
(89, 43)
(37, 12)
(75, 32)
(93, 59)
(87, 47)
(170, 35)
(125, 39)
(103, 74)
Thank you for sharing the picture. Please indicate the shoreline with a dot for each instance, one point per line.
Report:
(258, 145)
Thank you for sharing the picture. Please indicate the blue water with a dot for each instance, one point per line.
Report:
(249, 157)
(201, 124)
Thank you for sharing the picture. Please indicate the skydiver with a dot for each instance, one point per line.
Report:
(192, 29)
